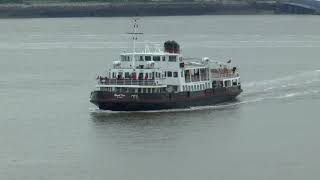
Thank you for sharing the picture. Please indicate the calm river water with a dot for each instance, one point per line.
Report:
(49, 130)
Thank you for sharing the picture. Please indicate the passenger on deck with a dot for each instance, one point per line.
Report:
(234, 70)
(133, 76)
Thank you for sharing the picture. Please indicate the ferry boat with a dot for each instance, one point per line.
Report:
(164, 79)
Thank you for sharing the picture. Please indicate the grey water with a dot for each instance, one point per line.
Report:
(49, 130)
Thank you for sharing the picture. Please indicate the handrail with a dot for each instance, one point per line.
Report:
(224, 75)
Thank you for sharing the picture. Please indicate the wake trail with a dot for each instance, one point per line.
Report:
(300, 84)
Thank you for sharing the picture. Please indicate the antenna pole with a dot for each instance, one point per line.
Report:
(134, 34)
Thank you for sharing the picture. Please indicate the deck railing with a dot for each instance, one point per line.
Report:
(148, 82)
(224, 75)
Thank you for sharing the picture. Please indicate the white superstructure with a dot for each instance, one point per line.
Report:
(159, 70)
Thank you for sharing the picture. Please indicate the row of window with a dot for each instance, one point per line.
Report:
(141, 75)
(149, 58)
(132, 90)
(170, 74)
(198, 87)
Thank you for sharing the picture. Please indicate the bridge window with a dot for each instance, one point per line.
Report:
(141, 58)
(172, 58)
(169, 73)
(124, 58)
(163, 58)
(175, 74)
(147, 58)
(156, 58)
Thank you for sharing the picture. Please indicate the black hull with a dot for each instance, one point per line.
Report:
(145, 102)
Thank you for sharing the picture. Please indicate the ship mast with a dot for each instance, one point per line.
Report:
(134, 34)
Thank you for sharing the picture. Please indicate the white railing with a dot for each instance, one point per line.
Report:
(224, 75)
(196, 79)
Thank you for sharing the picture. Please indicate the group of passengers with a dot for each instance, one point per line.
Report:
(132, 76)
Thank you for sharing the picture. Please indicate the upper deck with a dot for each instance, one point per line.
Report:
(147, 60)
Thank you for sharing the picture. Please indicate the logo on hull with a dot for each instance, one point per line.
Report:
(119, 96)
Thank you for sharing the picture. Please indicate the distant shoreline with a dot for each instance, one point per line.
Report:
(129, 9)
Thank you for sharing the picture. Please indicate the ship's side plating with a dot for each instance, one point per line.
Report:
(156, 101)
